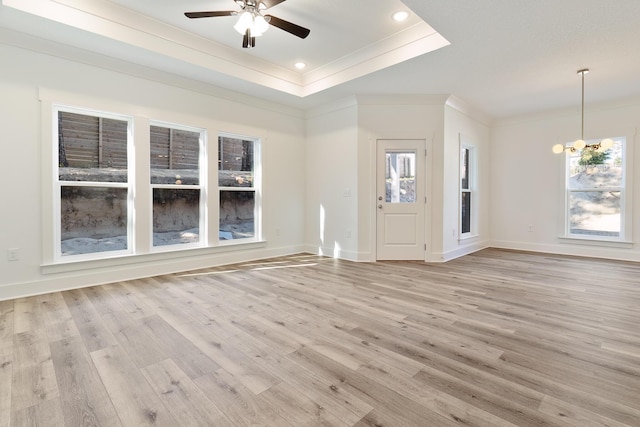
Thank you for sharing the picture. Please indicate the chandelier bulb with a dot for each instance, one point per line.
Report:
(606, 144)
(579, 144)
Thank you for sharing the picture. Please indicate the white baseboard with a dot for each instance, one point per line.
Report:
(570, 249)
(340, 254)
(100, 276)
(458, 252)
(65, 281)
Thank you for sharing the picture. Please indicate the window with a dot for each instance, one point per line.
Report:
(93, 182)
(111, 196)
(178, 210)
(238, 184)
(595, 196)
(467, 190)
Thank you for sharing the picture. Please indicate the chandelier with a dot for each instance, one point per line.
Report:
(580, 144)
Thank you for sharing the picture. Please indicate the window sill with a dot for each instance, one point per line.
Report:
(590, 241)
(65, 266)
(468, 236)
(237, 242)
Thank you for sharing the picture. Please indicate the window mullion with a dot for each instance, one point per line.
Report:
(141, 191)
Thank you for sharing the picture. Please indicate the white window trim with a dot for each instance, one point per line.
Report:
(626, 203)
(465, 143)
(129, 185)
(203, 240)
(257, 189)
(142, 245)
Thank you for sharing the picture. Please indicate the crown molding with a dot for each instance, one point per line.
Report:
(116, 23)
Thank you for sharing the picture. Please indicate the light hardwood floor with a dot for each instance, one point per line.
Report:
(497, 338)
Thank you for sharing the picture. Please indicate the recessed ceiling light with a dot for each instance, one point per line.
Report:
(300, 65)
(400, 16)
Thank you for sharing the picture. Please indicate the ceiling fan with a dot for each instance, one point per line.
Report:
(252, 23)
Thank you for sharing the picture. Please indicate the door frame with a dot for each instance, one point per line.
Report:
(428, 175)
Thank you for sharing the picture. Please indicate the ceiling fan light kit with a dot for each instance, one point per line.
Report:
(252, 23)
(256, 24)
(580, 144)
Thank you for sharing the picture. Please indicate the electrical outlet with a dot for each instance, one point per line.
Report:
(530, 228)
(348, 234)
(13, 254)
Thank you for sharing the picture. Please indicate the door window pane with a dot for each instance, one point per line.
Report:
(400, 177)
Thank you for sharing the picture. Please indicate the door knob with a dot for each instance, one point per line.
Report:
(379, 197)
(379, 206)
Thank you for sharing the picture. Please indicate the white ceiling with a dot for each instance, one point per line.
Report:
(505, 57)
(331, 38)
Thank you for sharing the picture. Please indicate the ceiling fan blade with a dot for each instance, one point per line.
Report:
(289, 27)
(271, 3)
(210, 14)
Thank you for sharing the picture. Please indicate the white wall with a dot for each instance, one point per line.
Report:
(24, 72)
(341, 172)
(527, 180)
(399, 117)
(460, 120)
(331, 181)
(324, 162)
(341, 166)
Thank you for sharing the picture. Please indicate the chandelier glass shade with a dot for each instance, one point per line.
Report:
(580, 144)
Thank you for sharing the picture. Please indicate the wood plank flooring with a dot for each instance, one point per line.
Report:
(497, 338)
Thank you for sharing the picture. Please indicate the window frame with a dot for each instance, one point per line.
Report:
(256, 189)
(58, 257)
(141, 250)
(624, 238)
(471, 189)
(203, 240)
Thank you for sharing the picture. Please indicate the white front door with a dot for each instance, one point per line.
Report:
(400, 199)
